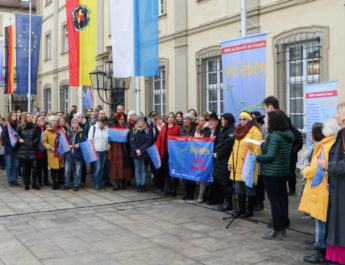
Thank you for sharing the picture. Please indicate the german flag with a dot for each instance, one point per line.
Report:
(81, 27)
(9, 59)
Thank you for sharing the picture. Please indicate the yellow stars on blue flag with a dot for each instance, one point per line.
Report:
(23, 41)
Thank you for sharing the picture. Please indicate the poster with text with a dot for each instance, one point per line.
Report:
(244, 74)
(321, 100)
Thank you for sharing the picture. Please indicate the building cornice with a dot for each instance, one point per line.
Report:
(54, 71)
(234, 19)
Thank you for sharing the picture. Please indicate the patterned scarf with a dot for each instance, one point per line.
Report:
(57, 131)
(241, 132)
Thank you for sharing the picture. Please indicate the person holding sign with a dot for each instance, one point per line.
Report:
(120, 167)
(51, 143)
(335, 227)
(276, 151)
(247, 139)
(315, 195)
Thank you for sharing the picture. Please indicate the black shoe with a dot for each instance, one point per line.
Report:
(108, 184)
(143, 188)
(247, 214)
(65, 188)
(98, 187)
(273, 235)
(259, 206)
(35, 187)
(75, 188)
(15, 183)
(238, 213)
(11, 184)
(27, 187)
(47, 183)
(139, 188)
(225, 206)
(317, 258)
(116, 187)
(167, 192)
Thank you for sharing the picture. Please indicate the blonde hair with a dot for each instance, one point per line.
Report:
(341, 108)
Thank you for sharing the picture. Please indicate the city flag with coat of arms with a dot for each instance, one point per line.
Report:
(81, 28)
(22, 51)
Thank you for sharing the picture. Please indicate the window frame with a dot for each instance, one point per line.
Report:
(161, 79)
(48, 46)
(65, 47)
(161, 7)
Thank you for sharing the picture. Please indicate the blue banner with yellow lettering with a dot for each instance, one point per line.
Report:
(244, 74)
(191, 158)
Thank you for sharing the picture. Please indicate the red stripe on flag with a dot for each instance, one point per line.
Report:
(94, 149)
(244, 47)
(191, 139)
(73, 44)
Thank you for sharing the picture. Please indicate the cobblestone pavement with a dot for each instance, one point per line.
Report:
(126, 227)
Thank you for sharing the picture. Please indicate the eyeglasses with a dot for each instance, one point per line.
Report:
(243, 119)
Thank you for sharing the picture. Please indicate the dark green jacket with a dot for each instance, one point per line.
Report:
(275, 157)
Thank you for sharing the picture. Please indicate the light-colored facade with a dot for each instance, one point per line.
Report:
(304, 44)
(7, 18)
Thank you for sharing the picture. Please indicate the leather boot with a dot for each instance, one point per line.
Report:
(241, 205)
(318, 258)
(250, 207)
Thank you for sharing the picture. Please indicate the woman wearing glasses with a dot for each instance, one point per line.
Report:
(245, 131)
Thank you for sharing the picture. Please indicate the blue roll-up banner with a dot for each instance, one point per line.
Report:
(321, 100)
(191, 158)
(244, 74)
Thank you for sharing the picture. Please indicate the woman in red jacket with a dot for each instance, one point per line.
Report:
(169, 129)
(42, 163)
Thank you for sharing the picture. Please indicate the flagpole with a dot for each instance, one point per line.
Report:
(137, 96)
(29, 65)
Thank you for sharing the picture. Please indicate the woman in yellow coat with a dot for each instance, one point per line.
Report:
(315, 199)
(51, 143)
(246, 130)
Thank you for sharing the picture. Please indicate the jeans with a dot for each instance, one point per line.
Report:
(278, 196)
(98, 168)
(71, 162)
(12, 165)
(42, 166)
(320, 232)
(140, 171)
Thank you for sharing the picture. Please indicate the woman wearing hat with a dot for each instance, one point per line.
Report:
(140, 139)
(246, 130)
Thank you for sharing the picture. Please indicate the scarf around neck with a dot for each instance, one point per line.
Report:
(241, 132)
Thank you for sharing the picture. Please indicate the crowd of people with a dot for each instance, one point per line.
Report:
(275, 143)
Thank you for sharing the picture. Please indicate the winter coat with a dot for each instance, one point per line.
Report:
(6, 138)
(183, 132)
(223, 147)
(99, 137)
(31, 135)
(162, 141)
(79, 138)
(315, 199)
(40, 154)
(140, 140)
(238, 151)
(48, 142)
(276, 153)
(2, 148)
(336, 178)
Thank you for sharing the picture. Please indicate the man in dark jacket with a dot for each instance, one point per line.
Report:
(75, 136)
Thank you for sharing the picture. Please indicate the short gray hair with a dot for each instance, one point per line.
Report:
(79, 113)
(51, 118)
(330, 127)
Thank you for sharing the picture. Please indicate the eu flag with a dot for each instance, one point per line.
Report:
(22, 51)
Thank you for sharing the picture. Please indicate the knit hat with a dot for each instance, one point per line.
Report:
(130, 113)
(189, 116)
(139, 118)
(229, 117)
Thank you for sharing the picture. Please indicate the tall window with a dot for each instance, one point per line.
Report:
(65, 39)
(64, 98)
(159, 91)
(47, 99)
(214, 85)
(302, 67)
(48, 46)
(161, 7)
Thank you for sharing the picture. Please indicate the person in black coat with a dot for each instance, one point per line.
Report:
(140, 139)
(222, 151)
(335, 230)
(29, 136)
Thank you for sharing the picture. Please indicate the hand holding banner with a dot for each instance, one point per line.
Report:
(248, 168)
(320, 172)
(12, 134)
(118, 135)
(89, 152)
(154, 155)
(40, 145)
(64, 146)
(191, 158)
